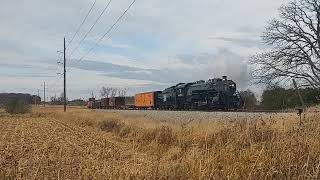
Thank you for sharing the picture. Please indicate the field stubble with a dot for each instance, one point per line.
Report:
(158, 145)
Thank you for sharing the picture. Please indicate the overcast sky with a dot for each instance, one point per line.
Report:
(159, 43)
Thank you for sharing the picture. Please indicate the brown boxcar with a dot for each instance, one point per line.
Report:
(96, 104)
(105, 103)
(147, 100)
(117, 102)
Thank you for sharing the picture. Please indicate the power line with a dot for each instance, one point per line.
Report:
(83, 21)
(108, 31)
(76, 33)
(93, 25)
(104, 35)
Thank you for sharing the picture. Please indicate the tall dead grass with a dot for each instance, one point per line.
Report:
(259, 149)
(269, 147)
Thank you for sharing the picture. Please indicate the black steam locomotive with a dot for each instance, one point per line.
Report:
(202, 95)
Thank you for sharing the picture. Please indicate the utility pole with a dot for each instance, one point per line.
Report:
(44, 94)
(39, 96)
(64, 75)
(35, 100)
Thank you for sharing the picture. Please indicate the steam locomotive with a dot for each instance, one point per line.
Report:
(211, 94)
(214, 94)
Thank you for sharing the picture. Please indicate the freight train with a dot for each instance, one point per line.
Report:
(214, 94)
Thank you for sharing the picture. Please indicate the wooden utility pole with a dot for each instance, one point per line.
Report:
(44, 94)
(39, 96)
(64, 75)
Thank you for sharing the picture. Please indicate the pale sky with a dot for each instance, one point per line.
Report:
(157, 44)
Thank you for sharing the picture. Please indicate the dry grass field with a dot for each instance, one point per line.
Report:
(85, 144)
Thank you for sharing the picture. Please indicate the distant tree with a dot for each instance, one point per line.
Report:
(277, 98)
(119, 92)
(92, 94)
(122, 92)
(77, 102)
(249, 99)
(113, 92)
(310, 96)
(18, 106)
(295, 40)
(54, 100)
(8, 97)
(105, 92)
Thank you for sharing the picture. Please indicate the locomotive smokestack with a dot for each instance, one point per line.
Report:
(224, 78)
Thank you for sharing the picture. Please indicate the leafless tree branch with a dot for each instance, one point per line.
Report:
(295, 41)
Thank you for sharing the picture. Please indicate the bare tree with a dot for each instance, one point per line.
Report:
(105, 92)
(92, 94)
(125, 91)
(58, 100)
(113, 92)
(119, 92)
(122, 92)
(295, 39)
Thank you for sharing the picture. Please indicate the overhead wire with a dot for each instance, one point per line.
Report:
(104, 35)
(108, 31)
(83, 21)
(91, 28)
(58, 75)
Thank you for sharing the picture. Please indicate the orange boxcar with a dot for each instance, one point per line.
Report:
(147, 100)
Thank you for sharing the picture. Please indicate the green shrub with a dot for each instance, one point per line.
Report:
(17, 106)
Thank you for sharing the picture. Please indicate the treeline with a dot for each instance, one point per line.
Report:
(54, 100)
(107, 92)
(6, 98)
(277, 98)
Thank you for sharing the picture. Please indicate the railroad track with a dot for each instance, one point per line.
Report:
(221, 111)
